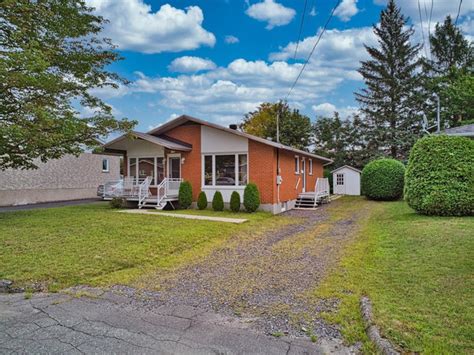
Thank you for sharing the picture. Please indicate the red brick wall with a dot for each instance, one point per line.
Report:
(288, 189)
(262, 170)
(191, 169)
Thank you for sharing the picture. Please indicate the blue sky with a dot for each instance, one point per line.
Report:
(219, 59)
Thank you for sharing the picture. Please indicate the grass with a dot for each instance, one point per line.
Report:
(95, 245)
(212, 213)
(418, 272)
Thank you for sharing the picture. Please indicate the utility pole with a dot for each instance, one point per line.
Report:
(278, 122)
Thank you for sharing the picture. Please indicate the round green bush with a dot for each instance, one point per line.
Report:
(383, 179)
(185, 194)
(202, 201)
(251, 198)
(117, 202)
(440, 176)
(235, 202)
(218, 202)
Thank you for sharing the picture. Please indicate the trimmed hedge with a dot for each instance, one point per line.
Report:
(185, 194)
(440, 176)
(117, 202)
(202, 201)
(218, 202)
(251, 198)
(383, 179)
(235, 202)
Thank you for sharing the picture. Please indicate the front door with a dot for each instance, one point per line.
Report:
(303, 172)
(174, 167)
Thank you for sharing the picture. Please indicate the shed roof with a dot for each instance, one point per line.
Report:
(466, 131)
(346, 166)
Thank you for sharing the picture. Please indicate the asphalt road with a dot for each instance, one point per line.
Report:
(113, 323)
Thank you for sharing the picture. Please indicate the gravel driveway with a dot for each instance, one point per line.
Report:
(268, 279)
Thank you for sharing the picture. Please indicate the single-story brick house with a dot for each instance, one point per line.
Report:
(214, 158)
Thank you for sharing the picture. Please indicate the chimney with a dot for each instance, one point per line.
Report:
(233, 126)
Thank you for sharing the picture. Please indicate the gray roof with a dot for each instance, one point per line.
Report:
(184, 118)
(348, 167)
(466, 131)
(167, 143)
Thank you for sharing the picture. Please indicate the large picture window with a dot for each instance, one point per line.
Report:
(225, 170)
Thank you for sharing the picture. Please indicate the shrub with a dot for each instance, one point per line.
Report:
(327, 174)
(117, 202)
(251, 198)
(185, 194)
(440, 176)
(235, 202)
(218, 202)
(382, 179)
(202, 201)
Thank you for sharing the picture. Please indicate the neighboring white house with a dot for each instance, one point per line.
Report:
(346, 180)
(67, 178)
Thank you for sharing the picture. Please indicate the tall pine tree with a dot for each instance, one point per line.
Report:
(449, 73)
(390, 98)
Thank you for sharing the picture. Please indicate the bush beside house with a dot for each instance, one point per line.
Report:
(383, 179)
(202, 201)
(218, 202)
(185, 194)
(440, 176)
(235, 202)
(251, 198)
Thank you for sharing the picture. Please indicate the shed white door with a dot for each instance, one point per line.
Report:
(339, 184)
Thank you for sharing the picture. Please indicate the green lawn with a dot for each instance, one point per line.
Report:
(93, 244)
(418, 272)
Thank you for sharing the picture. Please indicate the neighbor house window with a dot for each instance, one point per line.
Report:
(339, 179)
(311, 167)
(297, 164)
(242, 169)
(225, 170)
(105, 165)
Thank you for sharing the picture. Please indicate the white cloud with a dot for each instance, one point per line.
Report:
(313, 12)
(346, 10)
(188, 64)
(327, 109)
(271, 12)
(134, 26)
(231, 39)
(337, 48)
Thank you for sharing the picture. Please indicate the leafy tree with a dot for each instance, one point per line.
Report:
(295, 128)
(390, 100)
(51, 55)
(449, 74)
(344, 141)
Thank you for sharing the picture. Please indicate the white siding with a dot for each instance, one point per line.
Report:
(141, 148)
(217, 141)
(351, 184)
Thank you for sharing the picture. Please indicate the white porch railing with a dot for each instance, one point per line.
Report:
(144, 191)
(321, 189)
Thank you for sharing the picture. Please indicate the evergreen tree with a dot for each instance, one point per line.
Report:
(295, 128)
(390, 100)
(448, 73)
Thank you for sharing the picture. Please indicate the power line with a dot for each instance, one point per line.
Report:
(301, 28)
(312, 50)
(459, 10)
(429, 28)
(422, 30)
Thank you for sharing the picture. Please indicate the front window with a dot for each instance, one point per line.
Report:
(143, 167)
(208, 170)
(242, 169)
(339, 179)
(225, 170)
